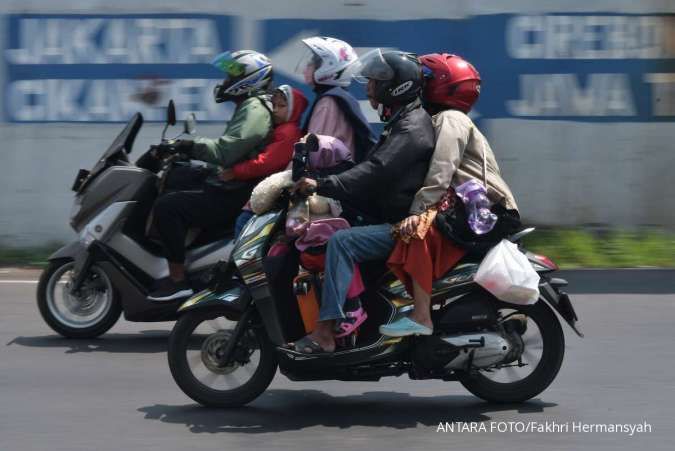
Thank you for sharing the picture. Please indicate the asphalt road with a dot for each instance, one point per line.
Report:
(116, 393)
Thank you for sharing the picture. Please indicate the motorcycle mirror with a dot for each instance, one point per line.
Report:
(171, 113)
(190, 124)
(170, 118)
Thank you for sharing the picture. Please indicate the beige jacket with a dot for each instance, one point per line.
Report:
(458, 157)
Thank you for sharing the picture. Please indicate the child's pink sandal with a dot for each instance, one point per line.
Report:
(352, 322)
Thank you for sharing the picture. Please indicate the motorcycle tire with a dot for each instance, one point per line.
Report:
(56, 321)
(207, 396)
(540, 378)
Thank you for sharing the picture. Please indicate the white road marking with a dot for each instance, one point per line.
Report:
(19, 281)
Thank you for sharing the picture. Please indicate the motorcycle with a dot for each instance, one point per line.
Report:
(230, 339)
(115, 261)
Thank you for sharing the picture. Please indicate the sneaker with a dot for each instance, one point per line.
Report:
(168, 290)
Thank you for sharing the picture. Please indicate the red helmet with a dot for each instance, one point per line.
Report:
(451, 81)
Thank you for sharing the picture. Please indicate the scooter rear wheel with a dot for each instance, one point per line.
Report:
(196, 342)
(549, 350)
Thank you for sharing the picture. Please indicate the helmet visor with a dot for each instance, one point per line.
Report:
(372, 66)
(306, 58)
(226, 63)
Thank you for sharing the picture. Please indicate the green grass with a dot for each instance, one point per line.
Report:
(28, 256)
(569, 248)
(607, 249)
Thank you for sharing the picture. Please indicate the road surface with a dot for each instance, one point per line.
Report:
(116, 393)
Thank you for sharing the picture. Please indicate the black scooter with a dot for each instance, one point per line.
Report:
(229, 340)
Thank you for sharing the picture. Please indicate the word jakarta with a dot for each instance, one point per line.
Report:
(544, 427)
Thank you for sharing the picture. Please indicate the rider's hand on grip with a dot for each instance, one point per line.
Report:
(168, 148)
(163, 150)
(306, 186)
(184, 146)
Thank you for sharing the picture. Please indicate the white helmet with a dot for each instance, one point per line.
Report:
(331, 58)
(246, 71)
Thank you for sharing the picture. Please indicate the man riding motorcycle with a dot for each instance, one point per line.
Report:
(384, 183)
(220, 200)
(478, 340)
(462, 153)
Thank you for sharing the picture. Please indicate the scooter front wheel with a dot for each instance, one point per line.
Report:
(89, 313)
(196, 346)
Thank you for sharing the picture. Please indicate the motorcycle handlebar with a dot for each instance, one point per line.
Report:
(163, 149)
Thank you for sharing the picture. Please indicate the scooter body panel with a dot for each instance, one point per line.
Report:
(133, 269)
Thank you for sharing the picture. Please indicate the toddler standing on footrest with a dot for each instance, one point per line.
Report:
(319, 219)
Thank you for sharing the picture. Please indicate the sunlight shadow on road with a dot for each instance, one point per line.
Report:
(144, 342)
(289, 410)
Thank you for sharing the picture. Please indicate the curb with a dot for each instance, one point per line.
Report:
(619, 281)
(581, 281)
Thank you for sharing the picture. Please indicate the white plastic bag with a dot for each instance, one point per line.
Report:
(508, 275)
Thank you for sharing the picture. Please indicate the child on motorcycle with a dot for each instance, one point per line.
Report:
(311, 220)
(288, 105)
(462, 153)
(313, 229)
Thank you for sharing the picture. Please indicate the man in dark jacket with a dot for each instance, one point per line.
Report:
(383, 185)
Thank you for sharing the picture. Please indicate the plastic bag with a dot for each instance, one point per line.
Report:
(508, 275)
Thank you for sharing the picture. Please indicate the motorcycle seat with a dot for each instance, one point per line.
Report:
(210, 235)
(476, 256)
(196, 238)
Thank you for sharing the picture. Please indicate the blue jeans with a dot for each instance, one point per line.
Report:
(345, 248)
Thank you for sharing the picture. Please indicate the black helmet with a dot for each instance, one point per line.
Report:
(397, 75)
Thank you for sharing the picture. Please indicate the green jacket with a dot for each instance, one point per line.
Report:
(244, 137)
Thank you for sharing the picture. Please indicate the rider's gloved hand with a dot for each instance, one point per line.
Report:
(149, 160)
(184, 146)
(172, 147)
(161, 151)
